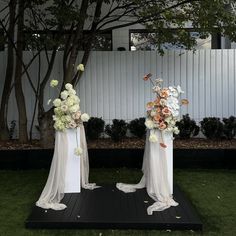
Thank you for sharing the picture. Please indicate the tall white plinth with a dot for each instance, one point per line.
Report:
(169, 155)
(72, 175)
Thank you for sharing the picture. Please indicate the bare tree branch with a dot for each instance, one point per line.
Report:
(144, 19)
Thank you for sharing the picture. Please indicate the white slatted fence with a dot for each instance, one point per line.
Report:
(112, 85)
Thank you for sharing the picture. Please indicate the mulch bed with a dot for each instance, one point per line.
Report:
(127, 143)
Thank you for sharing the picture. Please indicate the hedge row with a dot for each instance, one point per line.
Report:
(211, 127)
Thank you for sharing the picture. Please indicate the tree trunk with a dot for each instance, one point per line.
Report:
(78, 36)
(89, 42)
(45, 118)
(4, 132)
(46, 129)
(20, 99)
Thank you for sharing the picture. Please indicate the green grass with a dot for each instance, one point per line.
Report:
(212, 192)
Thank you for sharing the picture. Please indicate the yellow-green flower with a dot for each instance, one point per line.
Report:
(80, 67)
(78, 151)
(53, 83)
(153, 138)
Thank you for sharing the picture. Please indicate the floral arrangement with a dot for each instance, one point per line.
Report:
(67, 114)
(163, 112)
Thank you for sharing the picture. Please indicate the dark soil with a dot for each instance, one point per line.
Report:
(196, 143)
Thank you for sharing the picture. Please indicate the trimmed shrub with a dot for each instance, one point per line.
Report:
(229, 128)
(212, 127)
(187, 127)
(95, 127)
(137, 127)
(117, 130)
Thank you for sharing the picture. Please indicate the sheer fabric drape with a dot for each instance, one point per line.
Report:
(53, 191)
(155, 174)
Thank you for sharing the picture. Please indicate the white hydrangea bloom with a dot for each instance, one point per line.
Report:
(71, 92)
(68, 86)
(176, 130)
(64, 94)
(85, 117)
(149, 124)
(74, 108)
(68, 118)
(153, 138)
(175, 113)
(59, 125)
(70, 102)
(75, 98)
(57, 102)
(58, 111)
(172, 103)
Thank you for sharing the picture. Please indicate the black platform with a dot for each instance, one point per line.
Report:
(109, 208)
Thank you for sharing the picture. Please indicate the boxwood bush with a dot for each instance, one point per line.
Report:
(212, 127)
(94, 128)
(137, 127)
(229, 128)
(187, 127)
(117, 130)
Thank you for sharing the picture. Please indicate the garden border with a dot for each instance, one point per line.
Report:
(117, 158)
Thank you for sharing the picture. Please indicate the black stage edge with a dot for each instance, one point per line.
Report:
(116, 158)
(109, 208)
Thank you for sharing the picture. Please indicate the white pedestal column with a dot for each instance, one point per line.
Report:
(169, 155)
(72, 174)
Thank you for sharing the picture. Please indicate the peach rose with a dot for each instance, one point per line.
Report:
(157, 101)
(158, 118)
(166, 111)
(159, 110)
(164, 93)
(162, 125)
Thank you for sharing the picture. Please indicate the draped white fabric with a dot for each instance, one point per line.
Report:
(155, 173)
(54, 189)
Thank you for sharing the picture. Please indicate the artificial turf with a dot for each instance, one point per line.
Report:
(212, 192)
